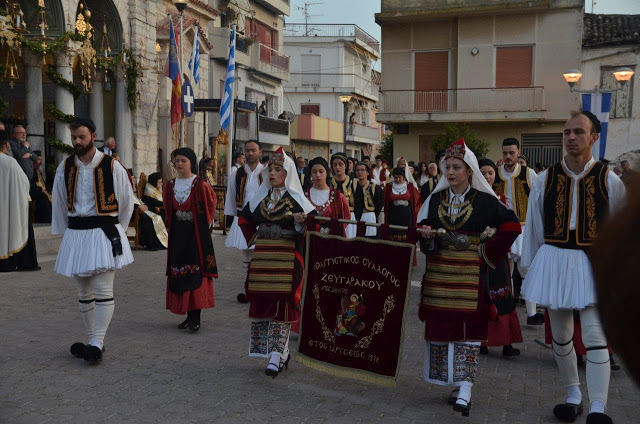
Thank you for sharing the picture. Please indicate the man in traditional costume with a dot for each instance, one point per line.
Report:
(478, 230)
(380, 175)
(514, 181)
(92, 205)
(274, 284)
(368, 200)
(14, 209)
(567, 208)
(190, 205)
(242, 185)
(39, 193)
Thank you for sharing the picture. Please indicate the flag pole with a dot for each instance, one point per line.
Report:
(233, 107)
(180, 76)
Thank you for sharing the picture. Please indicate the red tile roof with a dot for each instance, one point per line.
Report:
(610, 30)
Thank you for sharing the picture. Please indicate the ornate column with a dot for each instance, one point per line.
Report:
(123, 133)
(64, 99)
(96, 110)
(33, 100)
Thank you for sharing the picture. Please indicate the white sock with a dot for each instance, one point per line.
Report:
(274, 361)
(102, 317)
(574, 395)
(86, 309)
(597, 406)
(464, 395)
(531, 308)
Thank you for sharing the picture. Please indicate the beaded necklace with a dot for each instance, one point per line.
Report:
(321, 208)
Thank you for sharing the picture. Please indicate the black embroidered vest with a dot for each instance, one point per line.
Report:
(241, 185)
(368, 195)
(593, 206)
(104, 193)
(520, 188)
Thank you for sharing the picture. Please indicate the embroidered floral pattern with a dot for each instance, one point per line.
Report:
(561, 190)
(590, 206)
(183, 270)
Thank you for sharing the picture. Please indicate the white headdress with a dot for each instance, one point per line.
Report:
(407, 173)
(291, 183)
(457, 150)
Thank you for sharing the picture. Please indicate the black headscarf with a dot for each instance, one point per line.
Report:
(399, 171)
(342, 157)
(319, 161)
(487, 162)
(153, 178)
(189, 154)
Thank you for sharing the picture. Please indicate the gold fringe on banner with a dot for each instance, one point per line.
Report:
(338, 371)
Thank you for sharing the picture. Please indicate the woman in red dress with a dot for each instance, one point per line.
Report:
(327, 201)
(401, 203)
(504, 326)
(190, 205)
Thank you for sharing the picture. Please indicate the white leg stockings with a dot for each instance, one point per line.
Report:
(100, 288)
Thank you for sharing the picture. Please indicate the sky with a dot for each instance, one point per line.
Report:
(360, 12)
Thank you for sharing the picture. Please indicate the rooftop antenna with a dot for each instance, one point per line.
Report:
(307, 15)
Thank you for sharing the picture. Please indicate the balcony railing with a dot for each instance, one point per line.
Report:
(274, 57)
(331, 30)
(364, 131)
(273, 125)
(521, 99)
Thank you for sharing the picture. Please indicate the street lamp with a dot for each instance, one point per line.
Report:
(345, 98)
(181, 5)
(622, 75)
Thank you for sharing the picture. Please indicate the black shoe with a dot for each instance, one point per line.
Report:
(92, 354)
(453, 397)
(241, 298)
(77, 349)
(184, 324)
(598, 418)
(567, 412)
(537, 319)
(194, 326)
(614, 365)
(284, 365)
(484, 350)
(462, 408)
(510, 351)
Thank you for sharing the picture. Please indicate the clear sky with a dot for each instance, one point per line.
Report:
(360, 12)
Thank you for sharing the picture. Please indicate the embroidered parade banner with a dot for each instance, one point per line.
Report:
(353, 306)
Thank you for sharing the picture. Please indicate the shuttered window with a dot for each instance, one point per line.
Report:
(313, 109)
(514, 66)
(431, 81)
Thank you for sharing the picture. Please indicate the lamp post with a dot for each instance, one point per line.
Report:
(345, 98)
(181, 5)
(622, 75)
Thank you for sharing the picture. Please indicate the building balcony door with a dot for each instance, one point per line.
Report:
(431, 81)
(544, 148)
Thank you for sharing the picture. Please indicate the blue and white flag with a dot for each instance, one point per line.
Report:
(599, 104)
(226, 106)
(194, 60)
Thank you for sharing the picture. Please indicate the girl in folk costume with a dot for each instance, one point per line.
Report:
(454, 305)
(504, 326)
(274, 283)
(401, 201)
(327, 201)
(343, 182)
(401, 162)
(190, 205)
(153, 232)
(367, 200)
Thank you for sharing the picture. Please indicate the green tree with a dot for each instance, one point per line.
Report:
(386, 148)
(454, 131)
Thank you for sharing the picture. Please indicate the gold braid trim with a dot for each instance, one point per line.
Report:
(285, 204)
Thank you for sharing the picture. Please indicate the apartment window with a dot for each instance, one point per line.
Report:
(514, 66)
(622, 100)
(310, 68)
(309, 108)
(545, 148)
(431, 81)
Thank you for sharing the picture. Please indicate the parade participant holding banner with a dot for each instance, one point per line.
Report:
(568, 205)
(190, 205)
(504, 326)
(273, 286)
(401, 200)
(478, 230)
(327, 201)
(243, 184)
(341, 180)
(368, 200)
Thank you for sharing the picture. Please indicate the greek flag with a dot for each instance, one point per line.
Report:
(194, 60)
(227, 98)
(599, 104)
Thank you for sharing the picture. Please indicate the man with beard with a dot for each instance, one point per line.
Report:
(92, 204)
(514, 181)
(241, 187)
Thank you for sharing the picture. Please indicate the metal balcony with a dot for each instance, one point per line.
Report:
(337, 31)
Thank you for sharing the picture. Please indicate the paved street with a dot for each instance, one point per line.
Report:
(153, 372)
